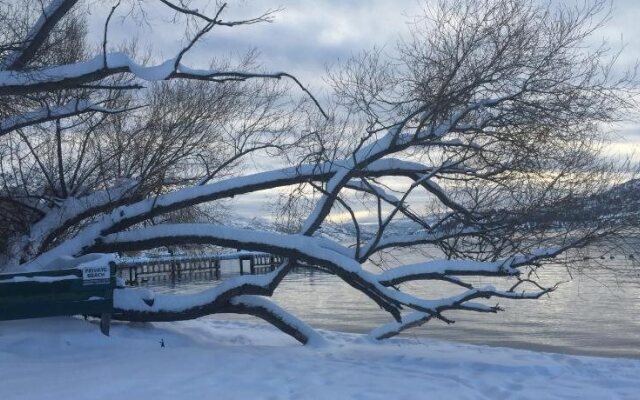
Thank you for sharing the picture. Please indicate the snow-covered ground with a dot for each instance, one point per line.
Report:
(64, 358)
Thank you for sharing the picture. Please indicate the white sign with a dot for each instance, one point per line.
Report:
(94, 275)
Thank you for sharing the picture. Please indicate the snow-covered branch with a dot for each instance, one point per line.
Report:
(322, 252)
(459, 302)
(69, 211)
(446, 268)
(73, 108)
(491, 114)
(316, 251)
(71, 76)
(241, 295)
(145, 209)
(51, 14)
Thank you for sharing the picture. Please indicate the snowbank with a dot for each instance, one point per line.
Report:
(62, 358)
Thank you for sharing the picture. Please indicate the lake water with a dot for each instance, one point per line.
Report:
(595, 313)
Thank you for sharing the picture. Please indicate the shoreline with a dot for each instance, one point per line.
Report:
(206, 358)
(440, 334)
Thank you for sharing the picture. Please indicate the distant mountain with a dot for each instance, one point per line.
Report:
(620, 202)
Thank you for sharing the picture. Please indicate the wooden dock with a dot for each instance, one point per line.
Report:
(135, 270)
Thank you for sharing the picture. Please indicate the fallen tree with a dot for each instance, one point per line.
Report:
(485, 122)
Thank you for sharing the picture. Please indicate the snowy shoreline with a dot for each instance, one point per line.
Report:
(470, 339)
(64, 358)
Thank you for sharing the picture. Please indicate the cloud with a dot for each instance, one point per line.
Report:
(309, 35)
(304, 38)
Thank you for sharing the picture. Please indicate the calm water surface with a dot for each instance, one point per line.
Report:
(595, 313)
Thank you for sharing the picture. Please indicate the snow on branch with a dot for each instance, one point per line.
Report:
(71, 210)
(459, 302)
(393, 328)
(243, 295)
(127, 216)
(489, 133)
(51, 14)
(230, 187)
(70, 76)
(316, 251)
(360, 185)
(393, 141)
(441, 268)
(266, 309)
(137, 302)
(73, 108)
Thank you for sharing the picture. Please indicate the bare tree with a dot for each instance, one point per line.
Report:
(492, 110)
(135, 143)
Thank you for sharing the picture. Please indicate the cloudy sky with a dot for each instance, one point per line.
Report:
(309, 35)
